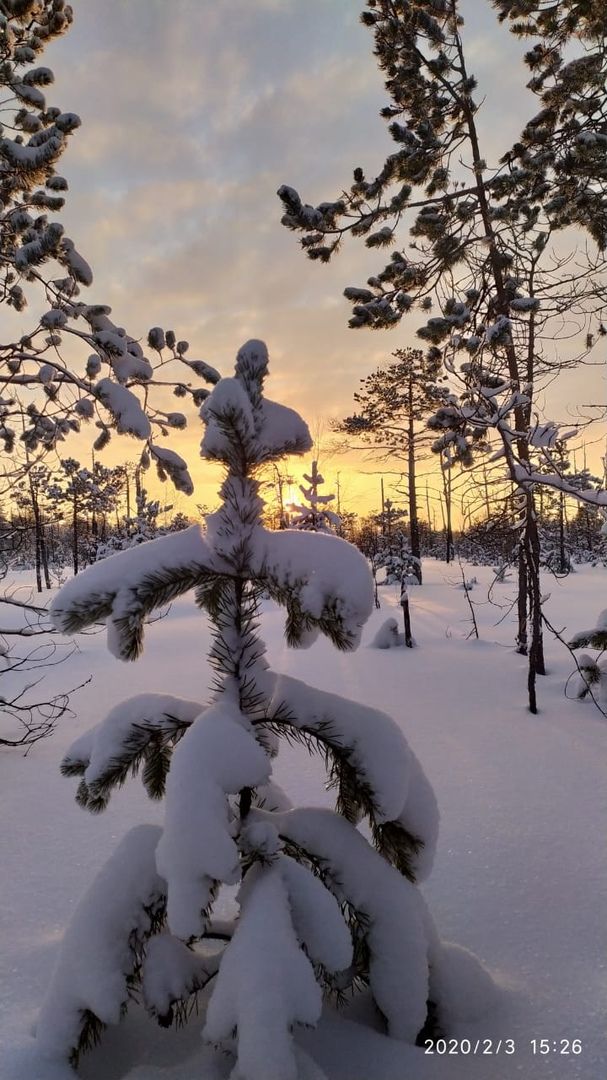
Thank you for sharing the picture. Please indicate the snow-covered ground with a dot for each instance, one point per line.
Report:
(521, 871)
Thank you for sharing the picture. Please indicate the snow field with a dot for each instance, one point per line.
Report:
(520, 874)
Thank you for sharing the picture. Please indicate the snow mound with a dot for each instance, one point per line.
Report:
(97, 958)
(460, 984)
(388, 637)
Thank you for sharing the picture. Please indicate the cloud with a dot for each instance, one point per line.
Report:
(194, 113)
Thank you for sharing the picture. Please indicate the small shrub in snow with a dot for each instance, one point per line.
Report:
(596, 638)
(388, 637)
(591, 678)
(322, 909)
(467, 584)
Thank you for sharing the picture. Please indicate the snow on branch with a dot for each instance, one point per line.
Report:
(317, 917)
(373, 743)
(419, 818)
(125, 409)
(389, 907)
(218, 756)
(264, 433)
(282, 432)
(323, 581)
(526, 476)
(172, 466)
(265, 984)
(172, 972)
(102, 951)
(592, 639)
(228, 417)
(129, 585)
(140, 731)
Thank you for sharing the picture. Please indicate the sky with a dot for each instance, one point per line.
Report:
(194, 112)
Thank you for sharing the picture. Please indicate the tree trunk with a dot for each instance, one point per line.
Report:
(413, 518)
(75, 534)
(536, 647)
(38, 572)
(449, 530)
(521, 636)
(44, 556)
(37, 535)
(486, 487)
(563, 566)
(431, 528)
(522, 413)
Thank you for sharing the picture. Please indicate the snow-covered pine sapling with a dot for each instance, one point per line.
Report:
(592, 639)
(591, 674)
(314, 514)
(322, 909)
(388, 636)
(590, 680)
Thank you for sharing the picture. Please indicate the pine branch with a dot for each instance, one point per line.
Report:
(355, 795)
(92, 1027)
(299, 622)
(145, 744)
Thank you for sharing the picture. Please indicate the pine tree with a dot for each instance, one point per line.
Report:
(321, 908)
(394, 406)
(45, 396)
(32, 494)
(313, 515)
(483, 246)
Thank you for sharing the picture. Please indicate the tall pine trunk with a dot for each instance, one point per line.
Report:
(530, 546)
(75, 533)
(536, 646)
(413, 517)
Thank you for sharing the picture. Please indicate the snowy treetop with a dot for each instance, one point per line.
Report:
(323, 582)
(237, 417)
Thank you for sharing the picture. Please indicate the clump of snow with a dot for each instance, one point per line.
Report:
(388, 636)
(265, 984)
(216, 757)
(172, 465)
(282, 432)
(125, 408)
(329, 576)
(498, 330)
(525, 304)
(392, 907)
(114, 586)
(460, 985)
(594, 638)
(377, 747)
(227, 411)
(267, 429)
(96, 958)
(102, 746)
(172, 971)
(317, 918)
(270, 796)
